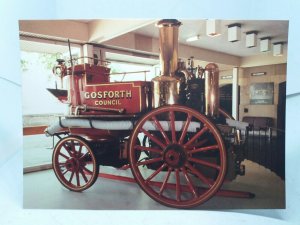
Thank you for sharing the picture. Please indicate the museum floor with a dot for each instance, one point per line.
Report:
(43, 191)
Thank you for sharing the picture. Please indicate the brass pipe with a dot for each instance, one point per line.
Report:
(212, 90)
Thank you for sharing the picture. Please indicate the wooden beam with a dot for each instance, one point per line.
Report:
(34, 130)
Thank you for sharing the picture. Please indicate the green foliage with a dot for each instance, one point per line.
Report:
(48, 60)
(24, 65)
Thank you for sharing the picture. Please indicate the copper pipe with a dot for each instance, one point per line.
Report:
(212, 90)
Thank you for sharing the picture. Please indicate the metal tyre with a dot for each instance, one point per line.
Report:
(178, 150)
(74, 163)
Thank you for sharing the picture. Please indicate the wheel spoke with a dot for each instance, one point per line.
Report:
(197, 135)
(84, 155)
(83, 175)
(199, 174)
(172, 123)
(189, 182)
(199, 143)
(63, 173)
(71, 177)
(62, 166)
(142, 148)
(77, 178)
(207, 148)
(156, 172)
(63, 155)
(153, 138)
(186, 125)
(163, 186)
(205, 163)
(73, 149)
(67, 147)
(159, 127)
(79, 151)
(149, 161)
(178, 191)
(87, 170)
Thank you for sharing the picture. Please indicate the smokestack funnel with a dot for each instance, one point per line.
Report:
(168, 42)
(166, 86)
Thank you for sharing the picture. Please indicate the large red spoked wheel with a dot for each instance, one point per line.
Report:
(74, 163)
(183, 163)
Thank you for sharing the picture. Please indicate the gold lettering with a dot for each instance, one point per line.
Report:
(108, 94)
(128, 94)
(122, 94)
(86, 95)
(105, 94)
(111, 94)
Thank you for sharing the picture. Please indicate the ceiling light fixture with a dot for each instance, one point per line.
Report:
(251, 39)
(265, 44)
(194, 38)
(213, 28)
(234, 32)
(278, 49)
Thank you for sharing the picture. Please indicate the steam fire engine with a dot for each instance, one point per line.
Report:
(180, 146)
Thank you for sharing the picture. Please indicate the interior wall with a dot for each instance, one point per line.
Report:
(224, 77)
(276, 74)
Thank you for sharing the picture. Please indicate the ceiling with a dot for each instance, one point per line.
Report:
(276, 29)
(99, 31)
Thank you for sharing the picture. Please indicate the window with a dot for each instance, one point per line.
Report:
(39, 106)
(122, 65)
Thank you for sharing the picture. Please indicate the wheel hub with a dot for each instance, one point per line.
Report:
(174, 155)
(73, 164)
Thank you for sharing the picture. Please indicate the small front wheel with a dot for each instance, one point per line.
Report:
(74, 163)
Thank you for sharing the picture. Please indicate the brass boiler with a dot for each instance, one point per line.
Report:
(166, 87)
(212, 90)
